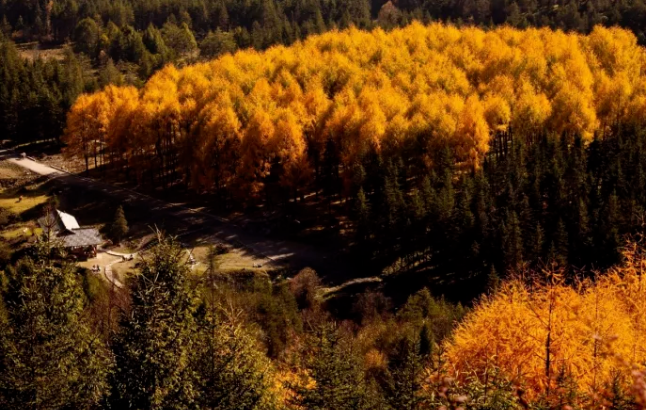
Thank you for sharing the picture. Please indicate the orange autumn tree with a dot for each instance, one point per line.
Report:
(592, 332)
(233, 121)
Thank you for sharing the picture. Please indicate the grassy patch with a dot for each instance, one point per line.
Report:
(27, 203)
(31, 198)
(15, 232)
(233, 261)
(20, 231)
(18, 215)
(95, 288)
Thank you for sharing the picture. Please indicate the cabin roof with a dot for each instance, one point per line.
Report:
(66, 228)
(82, 237)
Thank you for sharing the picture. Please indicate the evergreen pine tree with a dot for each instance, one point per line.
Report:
(609, 239)
(580, 244)
(86, 37)
(493, 280)
(428, 194)
(417, 207)
(49, 357)
(619, 398)
(216, 44)
(109, 74)
(512, 242)
(538, 236)
(560, 244)
(425, 341)
(233, 373)
(401, 382)
(157, 338)
(463, 217)
(119, 228)
(5, 27)
(338, 378)
(443, 238)
(362, 215)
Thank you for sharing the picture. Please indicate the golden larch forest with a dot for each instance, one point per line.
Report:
(234, 118)
(593, 332)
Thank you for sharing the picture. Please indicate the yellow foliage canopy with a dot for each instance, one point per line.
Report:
(373, 90)
(595, 331)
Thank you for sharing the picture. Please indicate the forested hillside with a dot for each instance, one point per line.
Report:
(434, 86)
(126, 41)
(177, 337)
(488, 184)
(467, 150)
(36, 96)
(262, 23)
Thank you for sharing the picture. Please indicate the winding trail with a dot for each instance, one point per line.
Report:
(109, 275)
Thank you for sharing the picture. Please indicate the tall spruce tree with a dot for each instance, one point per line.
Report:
(559, 251)
(401, 381)
(362, 215)
(157, 338)
(338, 378)
(512, 242)
(49, 356)
(233, 373)
(119, 228)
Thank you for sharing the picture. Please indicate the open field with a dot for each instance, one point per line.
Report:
(15, 231)
(12, 202)
(20, 206)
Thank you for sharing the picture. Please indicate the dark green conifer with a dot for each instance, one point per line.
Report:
(119, 227)
(560, 243)
(86, 37)
(233, 373)
(157, 339)
(512, 242)
(425, 341)
(335, 369)
(401, 382)
(5, 27)
(49, 356)
(493, 280)
(362, 215)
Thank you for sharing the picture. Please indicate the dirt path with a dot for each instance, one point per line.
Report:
(105, 261)
(271, 250)
(109, 275)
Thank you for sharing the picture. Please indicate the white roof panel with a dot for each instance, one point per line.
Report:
(69, 222)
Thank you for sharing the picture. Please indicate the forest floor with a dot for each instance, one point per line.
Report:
(195, 227)
(34, 50)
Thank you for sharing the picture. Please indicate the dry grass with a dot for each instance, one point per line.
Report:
(32, 51)
(232, 261)
(9, 170)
